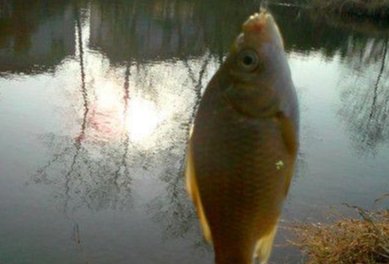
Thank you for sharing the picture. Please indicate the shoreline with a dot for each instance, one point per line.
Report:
(375, 9)
(363, 239)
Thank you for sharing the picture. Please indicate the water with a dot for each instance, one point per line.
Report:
(96, 101)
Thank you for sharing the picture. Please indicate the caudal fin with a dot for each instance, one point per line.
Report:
(264, 246)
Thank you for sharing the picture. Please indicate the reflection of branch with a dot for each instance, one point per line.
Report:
(374, 109)
(174, 211)
(78, 141)
(378, 80)
(191, 74)
(68, 177)
(74, 170)
(76, 237)
(199, 85)
(42, 170)
(126, 98)
(84, 92)
(366, 108)
(178, 214)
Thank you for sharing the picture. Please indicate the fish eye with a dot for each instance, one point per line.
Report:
(248, 60)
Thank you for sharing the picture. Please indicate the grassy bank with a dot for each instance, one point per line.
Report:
(374, 9)
(347, 241)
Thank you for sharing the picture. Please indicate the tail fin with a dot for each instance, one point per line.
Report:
(264, 246)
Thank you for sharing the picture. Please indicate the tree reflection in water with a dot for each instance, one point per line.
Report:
(98, 179)
(96, 167)
(36, 39)
(365, 99)
(173, 209)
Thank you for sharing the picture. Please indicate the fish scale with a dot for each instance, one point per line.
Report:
(239, 163)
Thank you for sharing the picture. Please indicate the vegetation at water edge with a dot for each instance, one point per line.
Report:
(348, 240)
(376, 9)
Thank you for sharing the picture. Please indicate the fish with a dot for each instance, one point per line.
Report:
(242, 150)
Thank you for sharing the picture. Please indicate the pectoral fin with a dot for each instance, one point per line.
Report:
(289, 135)
(191, 186)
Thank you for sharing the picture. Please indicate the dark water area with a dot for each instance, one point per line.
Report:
(96, 103)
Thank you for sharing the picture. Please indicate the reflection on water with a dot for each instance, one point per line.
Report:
(97, 100)
(142, 119)
(35, 36)
(99, 182)
(366, 97)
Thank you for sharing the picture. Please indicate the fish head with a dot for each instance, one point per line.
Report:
(260, 29)
(259, 75)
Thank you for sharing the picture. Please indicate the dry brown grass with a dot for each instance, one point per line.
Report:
(347, 241)
(377, 9)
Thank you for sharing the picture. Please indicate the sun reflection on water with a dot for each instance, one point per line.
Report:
(113, 116)
(142, 119)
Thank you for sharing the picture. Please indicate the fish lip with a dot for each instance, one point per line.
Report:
(256, 22)
(262, 27)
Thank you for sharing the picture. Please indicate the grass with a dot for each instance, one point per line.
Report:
(347, 241)
(375, 9)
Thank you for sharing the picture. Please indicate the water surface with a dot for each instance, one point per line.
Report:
(96, 101)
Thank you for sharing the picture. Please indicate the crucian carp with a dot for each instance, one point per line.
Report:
(243, 146)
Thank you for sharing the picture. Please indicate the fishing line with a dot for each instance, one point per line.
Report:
(263, 5)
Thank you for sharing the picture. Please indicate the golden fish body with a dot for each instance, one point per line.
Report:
(243, 146)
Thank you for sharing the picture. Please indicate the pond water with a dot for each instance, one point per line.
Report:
(96, 101)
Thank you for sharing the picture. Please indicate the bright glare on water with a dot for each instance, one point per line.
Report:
(142, 119)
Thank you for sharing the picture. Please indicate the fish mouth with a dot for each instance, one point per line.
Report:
(256, 22)
(261, 27)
